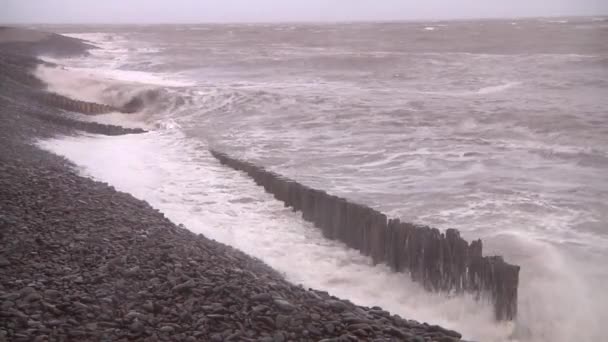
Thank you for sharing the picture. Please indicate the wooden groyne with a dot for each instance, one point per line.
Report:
(439, 261)
(83, 107)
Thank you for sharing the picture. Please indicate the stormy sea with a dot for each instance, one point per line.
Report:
(498, 128)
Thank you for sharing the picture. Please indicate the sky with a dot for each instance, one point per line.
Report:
(200, 11)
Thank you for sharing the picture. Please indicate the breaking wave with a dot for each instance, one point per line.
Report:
(148, 99)
(497, 88)
(481, 91)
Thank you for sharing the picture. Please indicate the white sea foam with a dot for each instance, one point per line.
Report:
(554, 21)
(497, 88)
(481, 91)
(70, 80)
(93, 37)
(112, 52)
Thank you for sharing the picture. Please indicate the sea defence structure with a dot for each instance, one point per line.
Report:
(78, 106)
(439, 261)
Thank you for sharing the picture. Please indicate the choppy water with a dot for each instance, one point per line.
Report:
(497, 128)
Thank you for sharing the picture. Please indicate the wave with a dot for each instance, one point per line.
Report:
(590, 61)
(497, 88)
(549, 21)
(148, 99)
(481, 91)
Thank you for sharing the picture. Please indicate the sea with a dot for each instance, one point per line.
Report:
(498, 128)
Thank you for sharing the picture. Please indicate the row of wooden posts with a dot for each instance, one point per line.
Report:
(438, 261)
(78, 106)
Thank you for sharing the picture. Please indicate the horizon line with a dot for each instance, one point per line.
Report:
(340, 21)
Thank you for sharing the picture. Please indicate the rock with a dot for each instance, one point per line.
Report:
(52, 308)
(132, 315)
(51, 293)
(217, 338)
(379, 312)
(26, 291)
(185, 286)
(261, 297)
(359, 326)
(5, 305)
(76, 333)
(447, 339)
(132, 272)
(398, 333)
(32, 297)
(233, 336)
(355, 320)
(278, 336)
(260, 308)
(137, 327)
(313, 330)
(91, 326)
(452, 333)
(32, 323)
(167, 329)
(215, 316)
(4, 262)
(284, 305)
(78, 306)
(267, 320)
(148, 306)
(13, 296)
(53, 323)
(336, 305)
(281, 321)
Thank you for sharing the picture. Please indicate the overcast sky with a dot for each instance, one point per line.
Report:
(194, 11)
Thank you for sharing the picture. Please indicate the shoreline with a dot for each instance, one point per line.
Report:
(82, 261)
